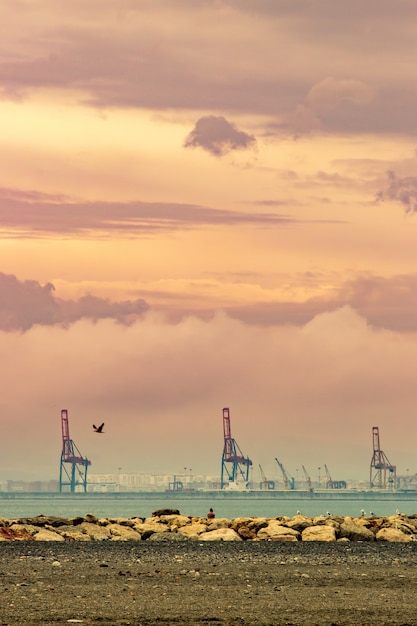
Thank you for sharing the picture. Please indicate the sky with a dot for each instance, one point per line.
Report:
(208, 204)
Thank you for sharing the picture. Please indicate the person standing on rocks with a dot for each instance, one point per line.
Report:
(211, 514)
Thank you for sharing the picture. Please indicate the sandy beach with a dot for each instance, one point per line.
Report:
(217, 583)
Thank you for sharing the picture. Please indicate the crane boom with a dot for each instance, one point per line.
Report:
(289, 482)
(307, 479)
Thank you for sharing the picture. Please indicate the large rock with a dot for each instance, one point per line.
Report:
(324, 532)
(393, 535)
(47, 535)
(160, 512)
(355, 531)
(14, 534)
(94, 531)
(299, 522)
(220, 534)
(193, 530)
(221, 522)
(277, 532)
(119, 532)
(149, 527)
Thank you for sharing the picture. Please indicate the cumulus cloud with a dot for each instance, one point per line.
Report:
(330, 94)
(402, 190)
(218, 136)
(24, 304)
(331, 101)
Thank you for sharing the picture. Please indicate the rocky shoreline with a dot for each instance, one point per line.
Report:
(170, 525)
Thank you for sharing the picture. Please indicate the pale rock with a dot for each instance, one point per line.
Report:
(148, 528)
(119, 532)
(48, 535)
(324, 532)
(275, 530)
(356, 532)
(392, 535)
(193, 530)
(220, 534)
(32, 530)
(299, 522)
(254, 524)
(221, 522)
(74, 535)
(95, 532)
(175, 521)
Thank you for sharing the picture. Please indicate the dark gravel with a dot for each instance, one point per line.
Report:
(212, 584)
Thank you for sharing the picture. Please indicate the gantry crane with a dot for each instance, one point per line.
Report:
(329, 481)
(289, 482)
(307, 479)
(265, 483)
(234, 464)
(383, 475)
(76, 474)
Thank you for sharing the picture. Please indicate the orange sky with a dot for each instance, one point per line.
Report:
(208, 204)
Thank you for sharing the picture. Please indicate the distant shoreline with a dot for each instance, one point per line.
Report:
(220, 495)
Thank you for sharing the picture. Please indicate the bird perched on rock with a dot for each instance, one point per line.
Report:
(98, 429)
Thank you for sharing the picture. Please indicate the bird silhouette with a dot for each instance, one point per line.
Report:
(98, 429)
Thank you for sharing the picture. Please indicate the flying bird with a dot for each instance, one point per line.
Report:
(98, 429)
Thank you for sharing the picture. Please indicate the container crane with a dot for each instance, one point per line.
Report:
(307, 479)
(289, 482)
(265, 483)
(383, 475)
(76, 473)
(329, 482)
(333, 484)
(234, 464)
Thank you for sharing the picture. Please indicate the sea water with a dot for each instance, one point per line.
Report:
(73, 505)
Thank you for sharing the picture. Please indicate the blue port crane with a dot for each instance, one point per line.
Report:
(73, 467)
(234, 464)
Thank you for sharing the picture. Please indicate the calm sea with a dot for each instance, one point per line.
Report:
(246, 506)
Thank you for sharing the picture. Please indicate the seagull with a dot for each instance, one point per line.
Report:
(98, 429)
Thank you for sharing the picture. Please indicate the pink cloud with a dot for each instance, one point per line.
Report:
(31, 214)
(24, 304)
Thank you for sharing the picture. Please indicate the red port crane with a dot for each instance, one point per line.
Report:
(234, 464)
(76, 473)
(383, 475)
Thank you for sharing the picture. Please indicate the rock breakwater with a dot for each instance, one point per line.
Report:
(170, 525)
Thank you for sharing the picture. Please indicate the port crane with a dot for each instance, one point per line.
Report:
(307, 479)
(289, 482)
(234, 463)
(73, 466)
(383, 475)
(265, 483)
(329, 482)
(333, 484)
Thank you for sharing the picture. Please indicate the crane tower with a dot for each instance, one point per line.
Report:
(73, 467)
(234, 464)
(383, 475)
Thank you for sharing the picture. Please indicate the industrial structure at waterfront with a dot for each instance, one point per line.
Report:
(237, 473)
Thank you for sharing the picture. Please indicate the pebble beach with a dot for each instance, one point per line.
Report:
(179, 570)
